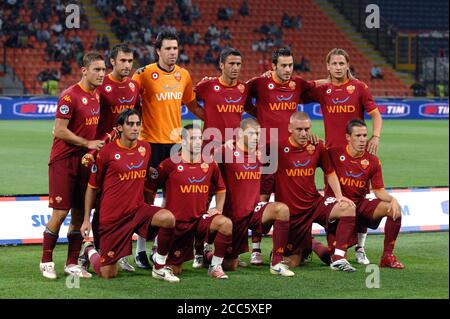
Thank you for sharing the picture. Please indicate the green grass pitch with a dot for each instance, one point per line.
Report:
(413, 153)
(425, 257)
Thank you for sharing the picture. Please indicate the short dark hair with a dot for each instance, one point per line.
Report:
(187, 128)
(165, 35)
(227, 52)
(125, 114)
(280, 52)
(90, 57)
(355, 123)
(121, 47)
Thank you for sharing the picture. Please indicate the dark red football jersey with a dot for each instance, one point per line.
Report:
(186, 186)
(223, 105)
(242, 176)
(119, 173)
(115, 97)
(276, 102)
(355, 173)
(340, 104)
(82, 109)
(295, 177)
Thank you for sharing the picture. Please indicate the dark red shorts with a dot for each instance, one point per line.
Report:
(240, 230)
(115, 239)
(182, 247)
(300, 226)
(267, 184)
(68, 180)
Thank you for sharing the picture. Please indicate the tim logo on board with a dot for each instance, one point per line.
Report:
(434, 110)
(35, 109)
(394, 110)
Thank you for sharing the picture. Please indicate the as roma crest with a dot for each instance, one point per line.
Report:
(365, 163)
(311, 149)
(142, 150)
(204, 167)
(241, 88)
(132, 86)
(350, 89)
(177, 76)
(292, 85)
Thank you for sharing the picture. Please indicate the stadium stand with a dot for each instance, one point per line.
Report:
(139, 22)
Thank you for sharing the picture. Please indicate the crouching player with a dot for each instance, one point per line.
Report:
(242, 176)
(186, 178)
(119, 174)
(356, 168)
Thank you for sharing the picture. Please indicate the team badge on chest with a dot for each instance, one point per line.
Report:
(177, 76)
(350, 89)
(311, 149)
(142, 150)
(204, 167)
(364, 163)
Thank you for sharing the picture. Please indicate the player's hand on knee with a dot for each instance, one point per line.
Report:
(208, 78)
(394, 209)
(342, 201)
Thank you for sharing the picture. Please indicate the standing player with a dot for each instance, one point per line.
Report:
(186, 178)
(120, 172)
(242, 177)
(277, 98)
(76, 122)
(223, 103)
(295, 186)
(356, 168)
(223, 98)
(341, 99)
(164, 86)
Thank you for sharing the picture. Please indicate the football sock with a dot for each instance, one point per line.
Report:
(75, 241)
(221, 244)
(361, 241)
(198, 244)
(344, 231)
(279, 240)
(165, 240)
(321, 250)
(94, 258)
(256, 247)
(48, 245)
(216, 261)
(140, 244)
(391, 230)
(159, 260)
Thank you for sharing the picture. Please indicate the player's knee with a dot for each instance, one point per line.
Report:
(108, 273)
(225, 226)
(166, 218)
(230, 264)
(347, 211)
(282, 211)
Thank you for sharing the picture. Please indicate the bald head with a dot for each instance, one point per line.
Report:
(299, 116)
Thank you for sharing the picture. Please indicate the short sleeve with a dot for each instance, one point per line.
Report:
(66, 106)
(366, 98)
(188, 94)
(377, 177)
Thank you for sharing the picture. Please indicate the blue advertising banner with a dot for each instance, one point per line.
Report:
(35, 108)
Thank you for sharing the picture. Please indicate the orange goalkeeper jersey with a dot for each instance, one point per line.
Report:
(162, 94)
